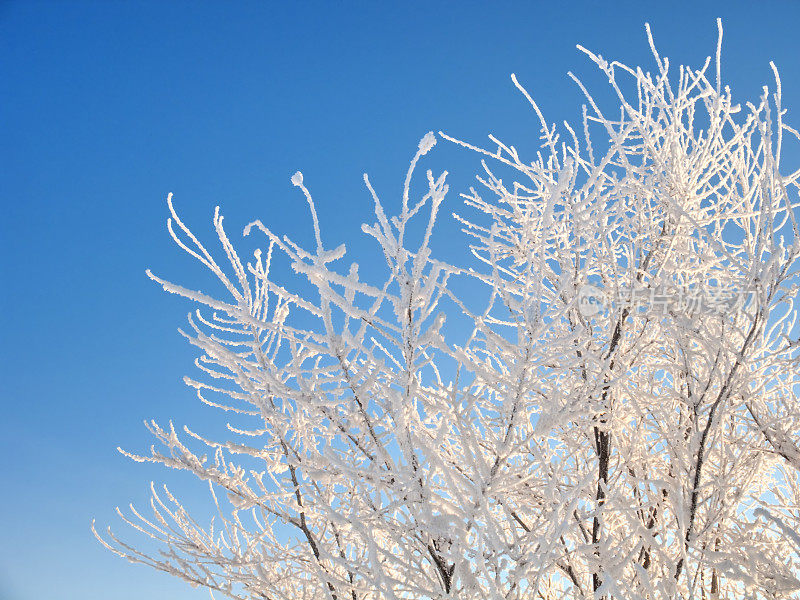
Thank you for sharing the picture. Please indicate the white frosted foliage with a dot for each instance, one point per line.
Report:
(511, 425)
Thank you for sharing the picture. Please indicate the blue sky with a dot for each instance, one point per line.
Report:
(108, 106)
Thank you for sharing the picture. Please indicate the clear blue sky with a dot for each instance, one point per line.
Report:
(105, 107)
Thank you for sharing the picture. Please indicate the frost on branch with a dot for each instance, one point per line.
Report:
(469, 430)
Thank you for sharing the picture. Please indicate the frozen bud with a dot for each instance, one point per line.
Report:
(427, 142)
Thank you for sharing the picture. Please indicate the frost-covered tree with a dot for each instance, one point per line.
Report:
(599, 401)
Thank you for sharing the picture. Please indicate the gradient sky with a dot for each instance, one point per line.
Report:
(105, 107)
